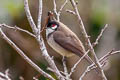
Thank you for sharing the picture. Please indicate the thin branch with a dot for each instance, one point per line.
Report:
(75, 65)
(65, 68)
(60, 10)
(22, 54)
(87, 39)
(105, 57)
(62, 6)
(89, 68)
(70, 11)
(85, 72)
(55, 7)
(29, 17)
(100, 35)
(64, 65)
(17, 28)
(5, 76)
(39, 16)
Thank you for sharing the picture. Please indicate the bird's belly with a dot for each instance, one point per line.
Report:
(58, 48)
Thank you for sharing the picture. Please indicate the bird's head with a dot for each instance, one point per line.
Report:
(51, 24)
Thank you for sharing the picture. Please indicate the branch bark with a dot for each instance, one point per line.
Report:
(18, 29)
(5, 76)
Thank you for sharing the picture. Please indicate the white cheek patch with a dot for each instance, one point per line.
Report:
(48, 31)
(54, 27)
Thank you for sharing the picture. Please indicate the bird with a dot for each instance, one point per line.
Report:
(63, 40)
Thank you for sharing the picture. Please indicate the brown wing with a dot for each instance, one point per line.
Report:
(69, 42)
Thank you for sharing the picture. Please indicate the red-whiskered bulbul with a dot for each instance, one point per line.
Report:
(63, 40)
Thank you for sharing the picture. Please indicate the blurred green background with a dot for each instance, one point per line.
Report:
(95, 14)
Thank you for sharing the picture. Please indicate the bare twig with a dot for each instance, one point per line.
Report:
(17, 28)
(30, 19)
(65, 68)
(87, 39)
(60, 10)
(55, 7)
(5, 76)
(70, 11)
(62, 6)
(75, 65)
(100, 35)
(102, 60)
(89, 68)
(39, 16)
(105, 57)
(85, 72)
(48, 68)
(64, 65)
(22, 54)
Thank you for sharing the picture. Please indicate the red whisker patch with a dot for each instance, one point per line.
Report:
(53, 25)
